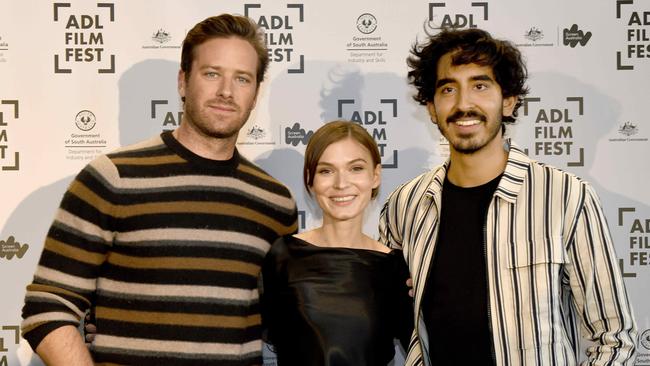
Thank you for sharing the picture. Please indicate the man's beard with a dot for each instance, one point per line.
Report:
(462, 145)
(208, 125)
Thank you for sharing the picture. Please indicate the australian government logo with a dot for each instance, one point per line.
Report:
(628, 132)
(161, 39)
(535, 37)
(85, 143)
(9, 155)
(280, 34)
(84, 38)
(366, 46)
(161, 36)
(256, 132)
(256, 135)
(635, 50)
(534, 34)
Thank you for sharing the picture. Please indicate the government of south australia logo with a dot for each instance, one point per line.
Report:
(628, 129)
(256, 133)
(644, 339)
(85, 120)
(534, 34)
(161, 36)
(10, 248)
(366, 23)
(574, 36)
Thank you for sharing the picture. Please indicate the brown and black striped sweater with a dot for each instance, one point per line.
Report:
(167, 248)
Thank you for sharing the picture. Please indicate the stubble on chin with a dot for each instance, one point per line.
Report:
(470, 144)
(211, 125)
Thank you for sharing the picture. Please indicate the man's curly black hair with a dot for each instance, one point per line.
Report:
(468, 46)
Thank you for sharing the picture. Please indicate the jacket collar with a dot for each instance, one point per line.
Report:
(511, 182)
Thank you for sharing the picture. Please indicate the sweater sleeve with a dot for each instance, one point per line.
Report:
(75, 248)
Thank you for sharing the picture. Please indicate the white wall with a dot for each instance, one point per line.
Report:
(590, 116)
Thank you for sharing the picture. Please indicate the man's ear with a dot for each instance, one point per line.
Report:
(508, 105)
(432, 112)
(181, 84)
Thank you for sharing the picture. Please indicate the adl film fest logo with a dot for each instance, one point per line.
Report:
(457, 20)
(8, 162)
(554, 131)
(637, 35)
(639, 236)
(373, 121)
(171, 119)
(12, 337)
(84, 40)
(279, 34)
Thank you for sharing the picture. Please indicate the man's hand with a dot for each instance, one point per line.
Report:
(90, 330)
(409, 284)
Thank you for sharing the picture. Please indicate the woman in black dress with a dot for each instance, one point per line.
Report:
(334, 296)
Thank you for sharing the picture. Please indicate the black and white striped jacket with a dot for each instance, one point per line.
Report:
(550, 262)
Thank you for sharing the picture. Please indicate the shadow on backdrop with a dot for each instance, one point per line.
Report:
(28, 223)
(599, 123)
(342, 91)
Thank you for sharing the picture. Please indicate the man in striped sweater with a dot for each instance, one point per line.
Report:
(507, 255)
(163, 240)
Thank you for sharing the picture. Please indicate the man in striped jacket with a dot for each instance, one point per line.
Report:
(508, 256)
(163, 240)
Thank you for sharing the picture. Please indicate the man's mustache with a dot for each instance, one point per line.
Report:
(223, 102)
(466, 114)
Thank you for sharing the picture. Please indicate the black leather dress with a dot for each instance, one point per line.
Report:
(334, 306)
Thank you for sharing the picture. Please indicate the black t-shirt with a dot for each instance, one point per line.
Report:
(455, 303)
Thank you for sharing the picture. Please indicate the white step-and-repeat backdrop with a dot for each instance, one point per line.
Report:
(80, 78)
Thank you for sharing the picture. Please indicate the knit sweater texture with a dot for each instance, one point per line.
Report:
(165, 248)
